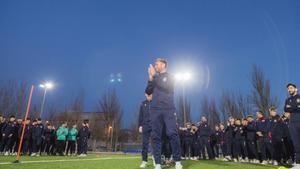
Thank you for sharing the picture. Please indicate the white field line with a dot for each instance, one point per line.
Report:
(70, 160)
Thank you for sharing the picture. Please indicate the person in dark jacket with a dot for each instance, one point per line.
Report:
(229, 139)
(289, 155)
(188, 140)
(264, 140)
(161, 86)
(204, 134)
(237, 140)
(16, 136)
(26, 137)
(216, 141)
(37, 136)
(49, 139)
(145, 128)
(292, 105)
(222, 140)
(8, 132)
(83, 136)
(251, 140)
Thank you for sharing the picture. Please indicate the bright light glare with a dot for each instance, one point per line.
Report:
(182, 77)
(47, 85)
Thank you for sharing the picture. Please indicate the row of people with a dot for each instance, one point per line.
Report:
(39, 138)
(264, 140)
(272, 140)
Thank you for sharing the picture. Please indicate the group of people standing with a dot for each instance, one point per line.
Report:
(267, 138)
(39, 138)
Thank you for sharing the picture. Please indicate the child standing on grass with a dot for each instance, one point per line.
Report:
(72, 140)
(61, 134)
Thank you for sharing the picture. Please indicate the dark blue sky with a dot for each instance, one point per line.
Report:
(78, 44)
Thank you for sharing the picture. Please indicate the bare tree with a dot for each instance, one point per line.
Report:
(110, 106)
(214, 117)
(210, 111)
(205, 107)
(244, 105)
(261, 91)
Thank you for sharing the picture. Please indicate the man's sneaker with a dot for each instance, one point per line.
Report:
(6, 153)
(264, 162)
(296, 166)
(275, 163)
(143, 165)
(178, 165)
(157, 166)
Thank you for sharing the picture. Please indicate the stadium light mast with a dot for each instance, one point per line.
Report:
(46, 86)
(183, 78)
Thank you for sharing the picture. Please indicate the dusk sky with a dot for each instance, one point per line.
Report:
(79, 44)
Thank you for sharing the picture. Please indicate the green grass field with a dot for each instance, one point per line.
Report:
(110, 162)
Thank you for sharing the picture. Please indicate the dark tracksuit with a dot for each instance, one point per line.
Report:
(251, 140)
(26, 138)
(229, 140)
(2, 124)
(223, 145)
(166, 147)
(277, 129)
(7, 140)
(182, 143)
(292, 105)
(264, 142)
(204, 133)
(238, 141)
(163, 113)
(49, 141)
(287, 141)
(188, 140)
(145, 123)
(37, 135)
(195, 145)
(83, 136)
(213, 143)
(17, 137)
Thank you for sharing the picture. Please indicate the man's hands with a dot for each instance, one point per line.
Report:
(151, 72)
(141, 129)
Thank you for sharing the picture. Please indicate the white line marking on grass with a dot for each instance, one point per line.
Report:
(71, 160)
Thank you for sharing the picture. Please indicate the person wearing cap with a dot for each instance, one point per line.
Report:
(145, 128)
(161, 86)
(292, 105)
